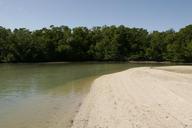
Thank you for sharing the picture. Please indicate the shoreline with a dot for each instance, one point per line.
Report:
(131, 62)
(142, 97)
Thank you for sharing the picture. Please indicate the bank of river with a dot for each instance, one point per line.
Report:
(47, 95)
(144, 97)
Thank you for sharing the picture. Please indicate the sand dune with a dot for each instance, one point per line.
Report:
(139, 98)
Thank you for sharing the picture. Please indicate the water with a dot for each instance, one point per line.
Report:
(47, 95)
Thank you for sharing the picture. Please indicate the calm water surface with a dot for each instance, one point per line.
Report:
(47, 95)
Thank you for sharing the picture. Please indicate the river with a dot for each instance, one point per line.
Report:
(47, 95)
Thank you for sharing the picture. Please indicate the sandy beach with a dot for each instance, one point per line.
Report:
(139, 98)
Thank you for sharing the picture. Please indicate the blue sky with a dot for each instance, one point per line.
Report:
(149, 14)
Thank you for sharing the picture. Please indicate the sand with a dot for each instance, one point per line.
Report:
(139, 98)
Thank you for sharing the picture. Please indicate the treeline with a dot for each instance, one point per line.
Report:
(107, 43)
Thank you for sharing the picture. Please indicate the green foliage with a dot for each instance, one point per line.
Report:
(107, 43)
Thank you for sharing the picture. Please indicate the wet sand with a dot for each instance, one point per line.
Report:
(139, 98)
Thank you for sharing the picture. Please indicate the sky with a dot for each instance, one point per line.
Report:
(152, 15)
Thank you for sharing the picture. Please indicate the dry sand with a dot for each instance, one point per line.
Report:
(139, 98)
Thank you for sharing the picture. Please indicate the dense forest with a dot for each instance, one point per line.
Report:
(107, 43)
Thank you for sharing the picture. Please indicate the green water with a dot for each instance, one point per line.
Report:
(47, 95)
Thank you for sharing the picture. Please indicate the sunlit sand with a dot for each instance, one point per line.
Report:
(139, 98)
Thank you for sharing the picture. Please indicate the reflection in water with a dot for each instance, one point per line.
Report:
(46, 95)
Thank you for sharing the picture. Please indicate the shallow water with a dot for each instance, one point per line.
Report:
(47, 95)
